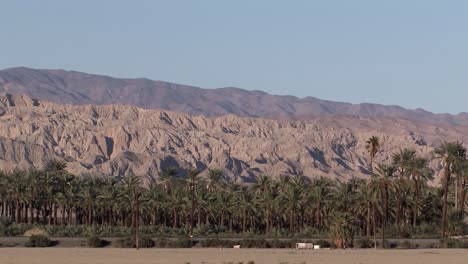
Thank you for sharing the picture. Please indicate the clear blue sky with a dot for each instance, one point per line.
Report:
(412, 53)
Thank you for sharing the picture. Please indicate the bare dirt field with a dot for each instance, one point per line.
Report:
(270, 256)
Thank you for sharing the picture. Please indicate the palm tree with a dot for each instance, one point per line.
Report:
(450, 154)
(364, 201)
(262, 183)
(462, 178)
(133, 193)
(291, 201)
(192, 173)
(403, 160)
(267, 201)
(215, 180)
(245, 204)
(342, 229)
(55, 165)
(321, 195)
(384, 175)
(373, 147)
(375, 196)
(419, 173)
(167, 176)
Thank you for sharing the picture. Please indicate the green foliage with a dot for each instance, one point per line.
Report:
(177, 243)
(342, 229)
(456, 226)
(38, 241)
(293, 207)
(453, 243)
(406, 245)
(96, 242)
(129, 242)
(363, 243)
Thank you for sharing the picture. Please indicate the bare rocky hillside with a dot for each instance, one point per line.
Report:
(73, 87)
(118, 140)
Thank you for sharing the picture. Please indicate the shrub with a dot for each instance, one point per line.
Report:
(162, 243)
(217, 243)
(405, 245)
(146, 242)
(96, 242)
(35, 231)
(363, 243)
(38, 241)
(179, 243)
(129, 242)
(182, 243)
(453, 243)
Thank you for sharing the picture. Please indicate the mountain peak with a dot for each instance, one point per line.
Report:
(81, 88)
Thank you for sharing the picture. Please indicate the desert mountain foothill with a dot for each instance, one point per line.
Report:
(115, 127)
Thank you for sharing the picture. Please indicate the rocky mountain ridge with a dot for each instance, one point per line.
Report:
(118, 140)
(73, 87)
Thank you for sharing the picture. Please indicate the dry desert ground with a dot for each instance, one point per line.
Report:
(270, 256)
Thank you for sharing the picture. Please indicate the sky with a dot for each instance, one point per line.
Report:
(412, 53)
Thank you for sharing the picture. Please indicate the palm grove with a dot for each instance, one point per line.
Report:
(396, 200)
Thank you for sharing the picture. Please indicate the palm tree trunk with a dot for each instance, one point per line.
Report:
(199, 216)
(243, 221)
(63, 215)
(174, 223)
(368, 225)
(90, 215)
(318, 215)
(291, 223)
(55, 214)
(31, 213)
(444, 205)
(416, 205)
(456, 193)
(463, 196)
(374, 226)
(17, 212)
(26, 215)
(221, 222)
(384, 220)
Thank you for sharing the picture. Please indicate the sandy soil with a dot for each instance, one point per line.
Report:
(270, 256)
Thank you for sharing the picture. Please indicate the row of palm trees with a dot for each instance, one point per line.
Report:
(396, 195)
(407, 165)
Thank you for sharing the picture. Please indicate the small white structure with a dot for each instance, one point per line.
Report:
(316, 246)
(304, 245)
(236, 246)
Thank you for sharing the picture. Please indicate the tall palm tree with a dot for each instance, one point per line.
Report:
(167, 176)
(215, 180)
(322, 195)
(262, 183)
(384, 175)
(462, 177)
(133, 190)
(55, 165)
(192, 173)
(373, 147)
(375, 198)
(419, 173)
(450, 154)
(403, 160)
(245, 203)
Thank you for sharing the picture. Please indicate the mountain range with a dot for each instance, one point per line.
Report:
(73, 87)
(116, 127)
(117, 140)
